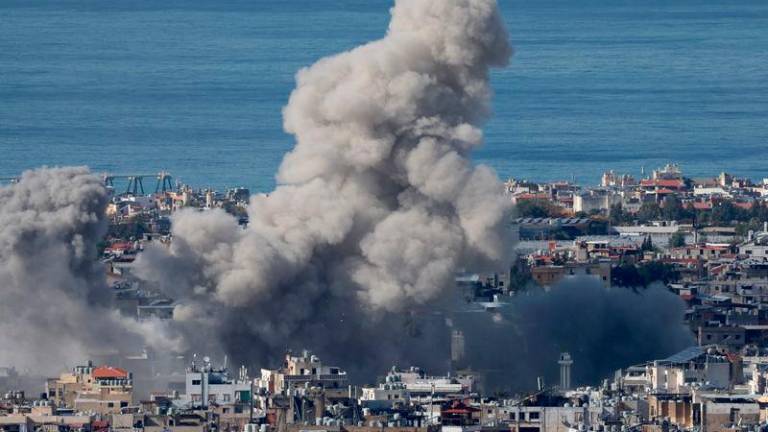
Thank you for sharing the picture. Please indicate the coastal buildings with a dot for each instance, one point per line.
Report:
(705, 240)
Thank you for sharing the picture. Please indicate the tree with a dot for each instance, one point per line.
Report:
(672, 209)
(629, 275)
(618, 216)
(677, 240)
(723, 213)
(647, 245)
(537, 209)
(649, 211)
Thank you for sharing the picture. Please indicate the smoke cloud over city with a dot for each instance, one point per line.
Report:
(54, 303)
(353, 255)
(377, 205)
(603, 330)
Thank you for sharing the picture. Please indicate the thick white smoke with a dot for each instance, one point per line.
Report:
(54, 302)
(377, 205)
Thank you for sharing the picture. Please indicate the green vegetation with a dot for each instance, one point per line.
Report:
(642, 275)
(647, 245)
(723, 213)
(677, 240)
(537, 209)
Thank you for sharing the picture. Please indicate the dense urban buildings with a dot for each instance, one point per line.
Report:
(705, 240)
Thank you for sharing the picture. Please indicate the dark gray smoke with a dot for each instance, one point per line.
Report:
(603, 329)
(377, 205)
(54, 302)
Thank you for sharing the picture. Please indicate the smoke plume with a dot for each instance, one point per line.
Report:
(376, 206)
(353, 255)
(603, 330)
(54, 302)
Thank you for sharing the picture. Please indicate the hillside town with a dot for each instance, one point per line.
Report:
(705, 240)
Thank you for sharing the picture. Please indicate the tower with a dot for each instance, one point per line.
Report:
(458, 349)
(565, 363)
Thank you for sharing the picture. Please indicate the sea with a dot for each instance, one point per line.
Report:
(197, 87)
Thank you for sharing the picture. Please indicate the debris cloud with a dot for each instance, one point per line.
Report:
(54, 301)
(376, 206)
(604, 329)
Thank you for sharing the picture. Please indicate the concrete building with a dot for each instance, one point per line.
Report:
(99, 390)
(206, 385)
(302, 371)
(546, 276)
(595, 200)
(693, 366)
(717, 412)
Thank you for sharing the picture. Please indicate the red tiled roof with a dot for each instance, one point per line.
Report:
(459, 411)
(530, 196)
(120, 246)
(675, 184)
(714, 247)
(109, 372)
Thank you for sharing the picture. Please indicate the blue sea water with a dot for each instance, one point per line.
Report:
(197, 87)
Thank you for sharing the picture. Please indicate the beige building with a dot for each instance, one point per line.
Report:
(677, 408)
(302, 371)
(546, 276)
(720, 412)
(98, 390)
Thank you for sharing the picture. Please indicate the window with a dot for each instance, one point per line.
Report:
(123, 404)
(195, 382)
(314, 371)
(512, 416)
(227, 397)
(110, 404)
(734, 417)
(533, 415)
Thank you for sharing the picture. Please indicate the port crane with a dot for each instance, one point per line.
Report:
(164, 181)
(136, 182)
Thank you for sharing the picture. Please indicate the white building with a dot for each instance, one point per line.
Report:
(205, 385)
(695, 365)
(595, 200)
